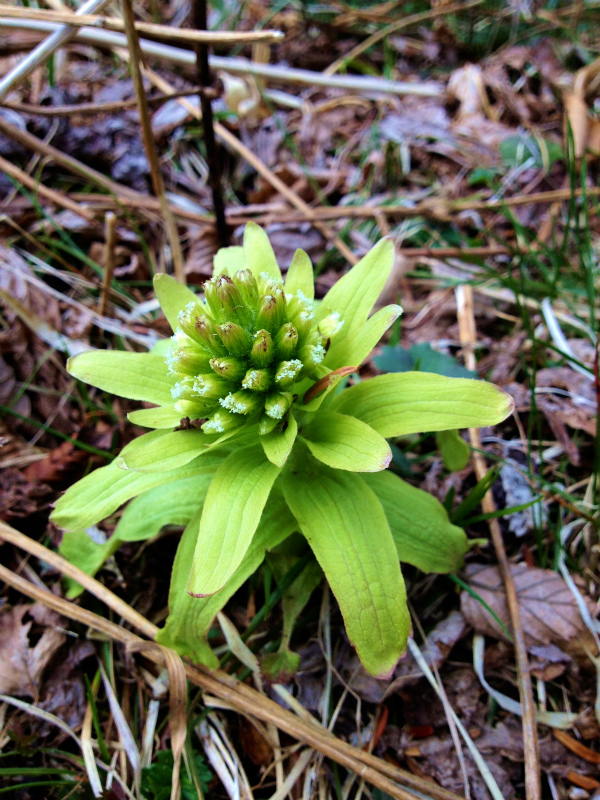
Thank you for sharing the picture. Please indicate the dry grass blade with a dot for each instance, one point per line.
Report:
(243, 698)
(177, 703)
(149, 143)
(58, 198)
(45, 49)
(158, 31)
(533, 788)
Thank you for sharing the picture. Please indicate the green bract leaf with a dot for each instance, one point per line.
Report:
(278, 444)
(171, 504)
(300, 276)
(423, 534)
(158, 417)
(191, 617)
(347, 530)
(354, 295)
(354, 350)
(228, 260)
(344, 442)
(233, 507)
(455, 451)
(136, 376)
(101, 492)
(258, 253)
(164, 450)
(172, 296)
(417, 402)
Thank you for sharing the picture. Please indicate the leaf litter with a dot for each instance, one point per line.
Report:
(493, 136)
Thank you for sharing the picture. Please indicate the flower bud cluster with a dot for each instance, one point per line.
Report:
(237, 356)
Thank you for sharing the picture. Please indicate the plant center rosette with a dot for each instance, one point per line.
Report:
(259, 451)
(242, 356)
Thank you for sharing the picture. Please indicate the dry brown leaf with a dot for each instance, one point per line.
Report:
(548, 609)
(21, 664)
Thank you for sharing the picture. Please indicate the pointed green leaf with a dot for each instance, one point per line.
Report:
(354, 350)
(136, 376)
(228, 260)
(157, 417)
(300, 276)
(96, 496)
(347, 530)
(233, 507)
(423, 534)
(344, 442)
(455, 451)
(277, 444)
(189, 617)
(172, 296)
(258, 253)
(416, 402)
(171, 504)
(164, 450)
(354, 295)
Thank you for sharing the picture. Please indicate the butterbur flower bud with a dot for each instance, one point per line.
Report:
(235, 338)
(211, 387)
(287, 372)
(228, 367)
(221, 422)
(286, 341)
(240, 354)
(277, 403)
(258, 380)
(268, 313)
(187, 359)
(242, 402)
(247, 287)
(262, 349)
(311, 355)
(330, 325)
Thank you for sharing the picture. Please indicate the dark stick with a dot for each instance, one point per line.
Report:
(212, 156)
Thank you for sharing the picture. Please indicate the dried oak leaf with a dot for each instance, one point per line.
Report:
(548, 609)
(22, 663)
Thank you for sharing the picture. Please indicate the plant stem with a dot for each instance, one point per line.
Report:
(212, 157)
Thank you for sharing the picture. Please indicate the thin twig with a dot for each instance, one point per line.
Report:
(110, 240)
(31, 142)
(58, 198)
(92, 108)
(533, 789)
(366, 85)
(152, 29)
(149, 143)
(212, 157)
(61, 36)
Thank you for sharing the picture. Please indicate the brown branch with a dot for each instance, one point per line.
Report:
(163, 32)
(533, 788)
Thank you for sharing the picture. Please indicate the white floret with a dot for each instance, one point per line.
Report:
(317, 352)
(213, 425)
(249, 380)
(231, 404)
(177, 391)
(291, 370)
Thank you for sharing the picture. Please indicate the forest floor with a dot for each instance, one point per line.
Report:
(468, 132)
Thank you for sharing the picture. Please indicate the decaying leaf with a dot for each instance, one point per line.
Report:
(21, 663)
(548, 609)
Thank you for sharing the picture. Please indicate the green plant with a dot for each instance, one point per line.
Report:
(255, 439)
